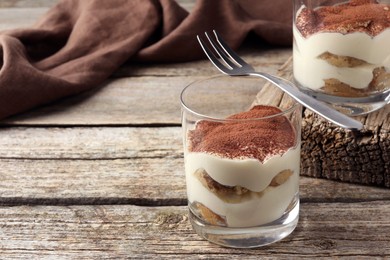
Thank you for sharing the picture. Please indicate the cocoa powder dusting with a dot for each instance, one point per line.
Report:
(258, 139)
(366, 16)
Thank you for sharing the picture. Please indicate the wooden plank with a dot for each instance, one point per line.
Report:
(149, 90)
(27, 3)
(125, 101)
(14, 18)
(158, 181)
(336, 230)
(90, 143)
(103, 165)
(260, 56)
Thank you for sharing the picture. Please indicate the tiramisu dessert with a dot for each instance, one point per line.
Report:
(343, 49)
(242, 172)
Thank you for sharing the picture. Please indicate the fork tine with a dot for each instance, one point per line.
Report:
(214, 60)
(232, 54)
(221, 52)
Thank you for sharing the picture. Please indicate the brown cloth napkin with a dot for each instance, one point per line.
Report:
(77, 44)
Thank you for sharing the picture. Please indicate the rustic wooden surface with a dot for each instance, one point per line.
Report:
(100, 175)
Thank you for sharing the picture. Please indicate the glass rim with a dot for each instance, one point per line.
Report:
(186, 107)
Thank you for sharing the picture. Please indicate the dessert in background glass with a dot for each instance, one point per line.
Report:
(242, 161)
(341, 52)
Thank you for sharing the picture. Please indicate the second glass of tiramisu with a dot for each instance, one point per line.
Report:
(242, 160)
(342, 52)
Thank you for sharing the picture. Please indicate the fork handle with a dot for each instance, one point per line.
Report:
(313, 104)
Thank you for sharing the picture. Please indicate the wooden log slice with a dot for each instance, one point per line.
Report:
(331, 152)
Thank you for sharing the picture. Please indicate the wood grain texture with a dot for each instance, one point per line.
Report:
(330, 152)
(27, 3)
(133, 181)
(165, 233)
(136, 91)
(121, 165)
(91, 177)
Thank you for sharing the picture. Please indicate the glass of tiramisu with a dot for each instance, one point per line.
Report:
(242, 160)
(341, 52)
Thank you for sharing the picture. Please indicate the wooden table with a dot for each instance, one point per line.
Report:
(100, 175)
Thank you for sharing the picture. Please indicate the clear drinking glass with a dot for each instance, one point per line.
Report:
(242, 160)
(341, 52)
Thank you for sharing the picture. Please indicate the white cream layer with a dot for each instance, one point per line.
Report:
(311, 71)
(248, 173)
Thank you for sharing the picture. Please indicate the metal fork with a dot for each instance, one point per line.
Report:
(235, 66)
